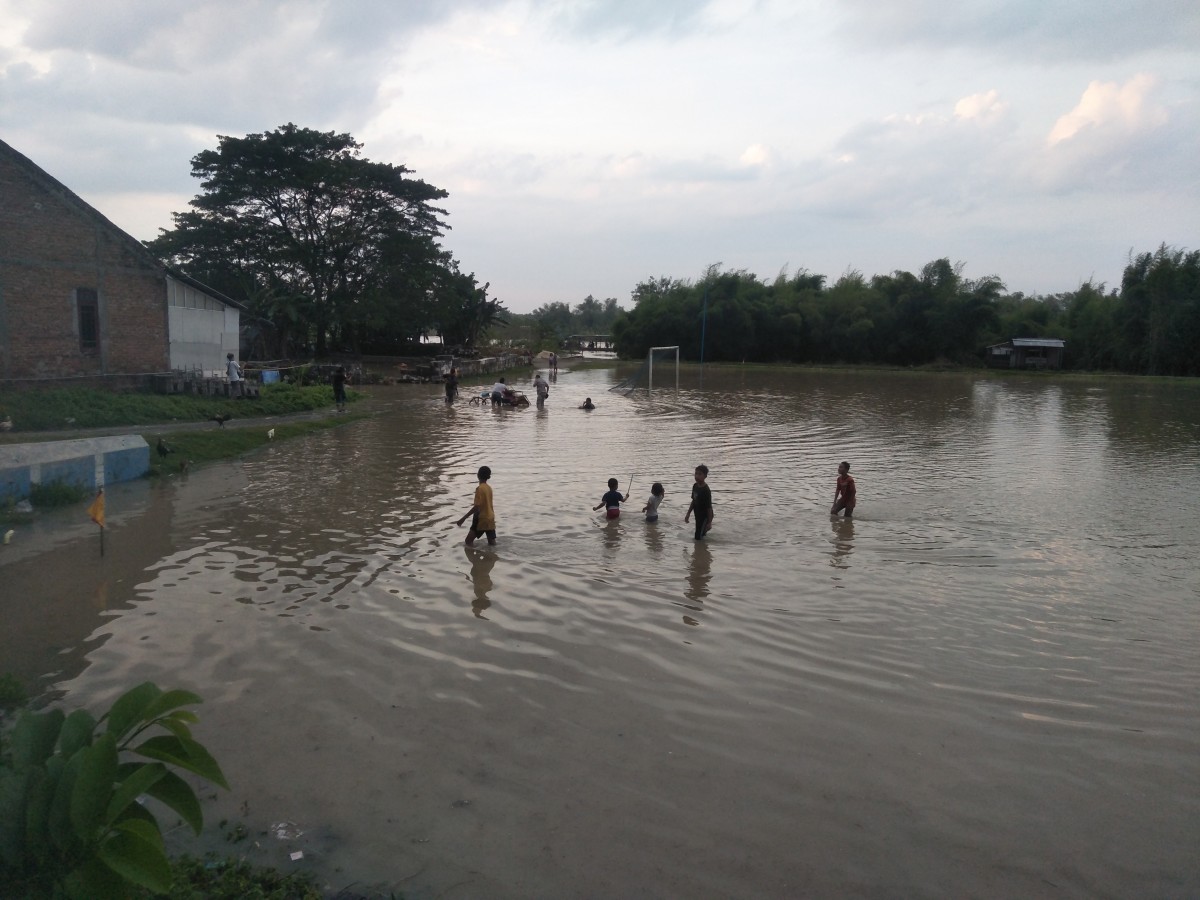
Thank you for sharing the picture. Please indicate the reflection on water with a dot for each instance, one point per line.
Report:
(843, 542)
(699, 575)
(984, 684)
(482, 562)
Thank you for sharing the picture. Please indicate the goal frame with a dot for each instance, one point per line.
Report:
(650, 362)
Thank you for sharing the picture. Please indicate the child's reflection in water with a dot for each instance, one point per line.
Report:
(482, 562)
(699, 575)
(843, 542)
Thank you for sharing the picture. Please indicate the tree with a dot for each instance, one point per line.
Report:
(299, 212)
(464, 313)
(1159, 312)
(589, 314)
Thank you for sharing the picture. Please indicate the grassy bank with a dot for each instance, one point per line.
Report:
(62, 409)
(199, 447)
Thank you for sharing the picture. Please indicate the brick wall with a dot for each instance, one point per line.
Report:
(51, 243)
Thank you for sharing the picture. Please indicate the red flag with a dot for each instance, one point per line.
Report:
(96, 510)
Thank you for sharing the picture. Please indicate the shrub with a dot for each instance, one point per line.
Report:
(57, 493)
(70, 818)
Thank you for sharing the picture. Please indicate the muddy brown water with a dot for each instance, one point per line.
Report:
(986, 684)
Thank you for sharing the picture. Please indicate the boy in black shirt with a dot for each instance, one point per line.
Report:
(701, 503)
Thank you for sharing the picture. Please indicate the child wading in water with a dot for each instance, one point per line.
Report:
(483, 517)
(651, 508)
(846, 491)
(612, 500)
(701, 503)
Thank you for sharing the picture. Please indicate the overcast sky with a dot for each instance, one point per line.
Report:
(588, 145)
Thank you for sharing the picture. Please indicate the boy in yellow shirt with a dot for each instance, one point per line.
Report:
(483, 517)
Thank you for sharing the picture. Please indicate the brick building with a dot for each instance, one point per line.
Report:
(81, 298)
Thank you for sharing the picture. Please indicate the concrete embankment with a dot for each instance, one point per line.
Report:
(88, 463)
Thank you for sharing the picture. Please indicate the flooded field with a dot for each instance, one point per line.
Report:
(984, 685)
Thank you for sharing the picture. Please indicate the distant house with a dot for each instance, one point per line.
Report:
(81, 299)
(1027, 353)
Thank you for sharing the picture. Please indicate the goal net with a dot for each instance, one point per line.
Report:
(660, 361)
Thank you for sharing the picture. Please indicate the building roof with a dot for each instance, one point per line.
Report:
(52, 185)
(204, 288)
(1040, 343)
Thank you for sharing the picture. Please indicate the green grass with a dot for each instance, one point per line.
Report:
(57, 493)
(62, 409)
(216, 878)
(199, 447)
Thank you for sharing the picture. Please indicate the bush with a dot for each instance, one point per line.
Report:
(57, 493)
(71, 823)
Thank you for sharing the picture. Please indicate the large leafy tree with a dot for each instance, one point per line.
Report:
(463, 312)
(297, 213)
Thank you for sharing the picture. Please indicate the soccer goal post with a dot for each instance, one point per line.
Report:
(664, 356)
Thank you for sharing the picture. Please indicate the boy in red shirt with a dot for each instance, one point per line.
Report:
(845, 491)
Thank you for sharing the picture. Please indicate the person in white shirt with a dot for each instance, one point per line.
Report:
(651, 508)
(234, 372)
(498, 390)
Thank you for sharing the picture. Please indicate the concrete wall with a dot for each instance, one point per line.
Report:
(89, 463)
(202, 329)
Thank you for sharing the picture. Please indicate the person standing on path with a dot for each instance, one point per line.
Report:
(701, 504)
(339, 388)
(234, 372)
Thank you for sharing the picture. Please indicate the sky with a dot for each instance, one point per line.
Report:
(589, 145)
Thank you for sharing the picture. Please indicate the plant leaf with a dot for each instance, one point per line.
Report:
(93, 787)
(132, 786)
(38, 803)
(177, 728)
(184, 753)
(134, 851)
(178, 795)
(168, 701)
(33, 737)
(129, 709)
(15, 790)
(58, 819)
(94, 879)
(76, 732)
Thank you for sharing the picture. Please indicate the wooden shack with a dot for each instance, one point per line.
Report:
(1027, 353)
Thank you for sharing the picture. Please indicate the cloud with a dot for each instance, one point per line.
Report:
(981, 107)
(627, 19)
(1122, 139)
(1106, 105)
(1029, 29)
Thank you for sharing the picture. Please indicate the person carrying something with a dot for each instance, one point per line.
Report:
(612, 500)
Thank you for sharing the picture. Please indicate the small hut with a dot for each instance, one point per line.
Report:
(1027, 353)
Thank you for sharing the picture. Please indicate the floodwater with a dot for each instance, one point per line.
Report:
(985, 685)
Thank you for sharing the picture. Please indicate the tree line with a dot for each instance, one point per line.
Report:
(333, 252)
(1150, 325)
